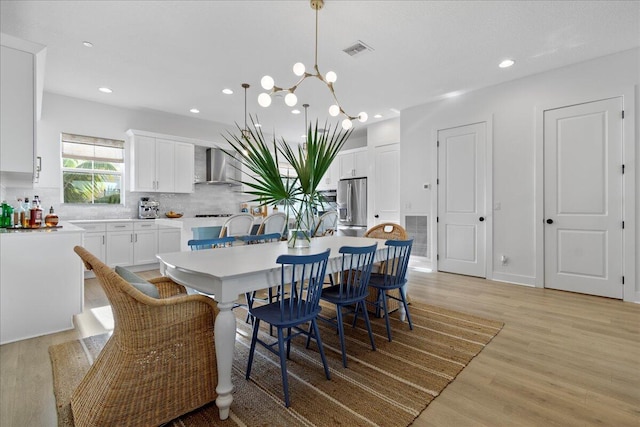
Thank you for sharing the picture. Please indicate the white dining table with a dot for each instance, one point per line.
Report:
(230, 272)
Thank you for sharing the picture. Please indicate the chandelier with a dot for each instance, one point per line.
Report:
(267, 82)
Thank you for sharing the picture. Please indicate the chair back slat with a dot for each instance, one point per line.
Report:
(357, 263)
(260, 238)
(304, 274)
(395, 267)
(218, 242)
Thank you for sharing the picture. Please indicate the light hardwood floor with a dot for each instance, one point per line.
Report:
(562, 359)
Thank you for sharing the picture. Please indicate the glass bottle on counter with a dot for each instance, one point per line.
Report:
(35, 218)
(27, 213)
(51, 220)
(20, 212)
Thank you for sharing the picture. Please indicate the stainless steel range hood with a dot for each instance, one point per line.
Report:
(222, 168)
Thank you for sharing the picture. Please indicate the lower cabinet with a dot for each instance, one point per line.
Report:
(129, 243)
(169, 240)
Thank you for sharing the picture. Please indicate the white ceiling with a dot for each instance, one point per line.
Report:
(174, 55)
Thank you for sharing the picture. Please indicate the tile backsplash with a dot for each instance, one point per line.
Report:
(206, 199)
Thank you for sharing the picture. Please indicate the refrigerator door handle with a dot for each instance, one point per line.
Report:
(349, 206)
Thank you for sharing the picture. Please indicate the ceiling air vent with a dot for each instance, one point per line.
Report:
(357, 49)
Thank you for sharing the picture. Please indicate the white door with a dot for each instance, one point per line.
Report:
(144, 158)
(184, 164)
(461, 200)
(145, 246)
(120, 248)
(583, 198)
(386, 198)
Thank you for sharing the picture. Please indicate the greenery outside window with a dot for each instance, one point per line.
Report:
(92, 169)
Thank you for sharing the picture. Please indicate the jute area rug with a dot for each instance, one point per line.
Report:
(387, 387)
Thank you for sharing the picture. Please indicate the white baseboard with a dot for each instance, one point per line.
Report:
(516, 279)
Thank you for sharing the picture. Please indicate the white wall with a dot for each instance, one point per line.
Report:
(65, 114)
(514, 109)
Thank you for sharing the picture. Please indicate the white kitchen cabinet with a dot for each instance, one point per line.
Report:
(17, 112)
(331, 178)
(145, 242)
(95, 239)
(41, 282)
(120, 244)
(353, 163)
(160, 165)
(169, 240)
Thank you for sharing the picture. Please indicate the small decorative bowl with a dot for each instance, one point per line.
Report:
(172, 214)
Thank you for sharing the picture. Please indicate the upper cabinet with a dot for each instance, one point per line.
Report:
(21, 71)
(331, 178)
(159, 164)
(353, 163)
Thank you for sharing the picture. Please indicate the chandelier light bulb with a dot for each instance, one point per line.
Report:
(331, 77)
(264, 99)
(363, 117)
(346, 124)
(298, 68)
(334, 110)
(267, 82)
(291, 99)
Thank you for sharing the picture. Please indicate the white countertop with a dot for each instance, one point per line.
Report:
(66, 227)
(188, 223)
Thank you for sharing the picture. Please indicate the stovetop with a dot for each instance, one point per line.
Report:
(216, 215)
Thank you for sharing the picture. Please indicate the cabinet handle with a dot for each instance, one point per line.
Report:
(131, 235)
(103, 239)
(136, 240)
(119, 226)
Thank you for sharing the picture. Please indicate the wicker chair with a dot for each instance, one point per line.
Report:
(387, 231)
(160, 361)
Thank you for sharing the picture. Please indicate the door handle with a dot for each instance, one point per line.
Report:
(376, 216)
(481, 218)
(549, 221)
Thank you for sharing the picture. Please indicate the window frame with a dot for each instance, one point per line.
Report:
(120, 172)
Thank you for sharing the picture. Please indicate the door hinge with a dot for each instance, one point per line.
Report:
(623, 114)
(622, 169)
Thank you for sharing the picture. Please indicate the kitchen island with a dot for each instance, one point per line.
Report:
(186, 224)
(41, 281)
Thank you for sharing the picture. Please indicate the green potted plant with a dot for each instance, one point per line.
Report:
(299, 194)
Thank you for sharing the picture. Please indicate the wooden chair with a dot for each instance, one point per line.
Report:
(392, 279)
(351, 291)
(237, 225)
(274, 223)
(159, 363)
(304, 274)
(386, 231)
(327, 224)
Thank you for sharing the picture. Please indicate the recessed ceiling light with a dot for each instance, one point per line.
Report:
(105, 90)
(87, 44)
(295, 111)
(377, 116)
(227, 91)
(506, 63)
(194, 110)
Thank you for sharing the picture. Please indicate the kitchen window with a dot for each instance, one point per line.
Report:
(92, 169)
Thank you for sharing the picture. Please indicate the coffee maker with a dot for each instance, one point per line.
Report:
(148, 209)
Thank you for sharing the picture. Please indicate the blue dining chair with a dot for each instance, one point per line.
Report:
(304, 275)
(352, 290)
(393, 276)
(218, 242)
(252, 239)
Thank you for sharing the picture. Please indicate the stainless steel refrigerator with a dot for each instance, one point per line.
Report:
(352, 206)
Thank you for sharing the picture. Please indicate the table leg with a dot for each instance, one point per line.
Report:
(403, 313)
(225, 338)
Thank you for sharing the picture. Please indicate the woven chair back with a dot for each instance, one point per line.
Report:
(388, 231)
